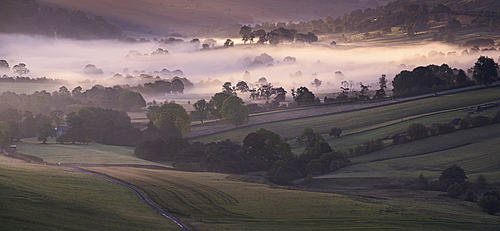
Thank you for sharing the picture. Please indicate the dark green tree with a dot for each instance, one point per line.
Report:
(45, 132)
(215, 104)
(335, 132)
(234, 111)
(309, 137)
(304, 97)
(490, 202)
(417, 131)
(201, 106)
(461, 77)
(451, 175)
(174, 114)
(485, 70)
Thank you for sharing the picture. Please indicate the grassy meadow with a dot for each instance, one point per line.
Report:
(39, 197)
(475, 150)
(92, 153)
(427, 111)
(224, 202)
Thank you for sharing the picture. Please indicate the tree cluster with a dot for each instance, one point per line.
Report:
(44, 102)
(105, 126)
(452, 181)
(427, 79)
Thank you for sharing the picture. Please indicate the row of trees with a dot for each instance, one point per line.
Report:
(262, 150)
(43, 102)
(452, 181)
(276, 36)
(433, 78)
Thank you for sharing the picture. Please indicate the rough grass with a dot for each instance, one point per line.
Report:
(38, 197)
(224, 203)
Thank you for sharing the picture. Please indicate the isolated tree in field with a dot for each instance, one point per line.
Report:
(4, 64)
(215, 104)
(173, 114)
(228, 43)
(417, 131)
(316, 83)
(421, 182)
(234, 111)
(150, 114)
(45, 132)
(490, 202)
(309, 137)
(228, 89)
(451, 175)
(245, 33)
(461, 77)
(303, 96)
(20, 69)
(201, 106)
(485, 71)
(382, 81)
(242, 86)
(335, 132)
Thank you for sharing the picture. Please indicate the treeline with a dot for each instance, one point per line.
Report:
(105, 126)
(433, 78)
(452, 181)
(66, 101)
(29, 17)
(276, 36)
(161, 86)
(262, 150)
(19, 79)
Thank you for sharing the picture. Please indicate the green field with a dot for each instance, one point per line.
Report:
(38, 197)
(427, 111)
(87, 154)
(223, 202)
(475, 150)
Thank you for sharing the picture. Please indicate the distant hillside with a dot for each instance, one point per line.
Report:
(159, 17)
(29, 17)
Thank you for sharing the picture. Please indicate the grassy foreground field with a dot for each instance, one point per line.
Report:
(223, 202)
(38, 197)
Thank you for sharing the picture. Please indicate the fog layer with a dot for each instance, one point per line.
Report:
(66, 59)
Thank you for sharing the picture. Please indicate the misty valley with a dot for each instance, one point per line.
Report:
(282, 115)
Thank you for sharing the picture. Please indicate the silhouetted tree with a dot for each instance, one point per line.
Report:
(485, 71)
(201, 106)
(234, 111)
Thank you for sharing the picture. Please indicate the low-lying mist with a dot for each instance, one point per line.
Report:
(207, 69)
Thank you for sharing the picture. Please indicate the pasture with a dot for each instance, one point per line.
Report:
(39, 197)
(475, 150)
(446, 107)
(92, 153)
(224, 202)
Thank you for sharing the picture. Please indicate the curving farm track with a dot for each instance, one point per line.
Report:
(142, 197)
